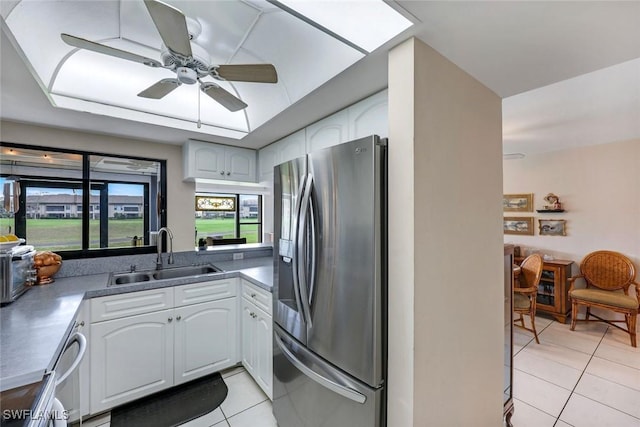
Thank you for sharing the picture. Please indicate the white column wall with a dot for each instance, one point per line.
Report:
(445, 244)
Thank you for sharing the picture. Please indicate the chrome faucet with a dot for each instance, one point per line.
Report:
(159, 263)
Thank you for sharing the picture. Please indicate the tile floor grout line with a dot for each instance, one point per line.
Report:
(246, 409)
(608, 406)
(581, 375)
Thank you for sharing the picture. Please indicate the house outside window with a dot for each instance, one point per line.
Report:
(83, 204)
(229, 216)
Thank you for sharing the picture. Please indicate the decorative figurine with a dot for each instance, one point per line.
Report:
(554, 202)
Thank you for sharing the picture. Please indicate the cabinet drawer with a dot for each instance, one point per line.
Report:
(205, 291)
(258, 296)
(129, 304)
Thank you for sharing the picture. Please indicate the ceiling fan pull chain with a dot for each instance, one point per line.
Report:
(199, 122)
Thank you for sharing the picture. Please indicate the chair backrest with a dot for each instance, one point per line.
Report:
(608, 270)
(530, 271)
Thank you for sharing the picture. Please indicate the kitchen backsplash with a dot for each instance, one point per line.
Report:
(82, 267)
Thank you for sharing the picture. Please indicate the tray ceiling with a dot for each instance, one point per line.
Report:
(229, 32)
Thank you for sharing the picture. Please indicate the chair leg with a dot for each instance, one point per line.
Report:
(586, 317)
(632, 329)
(574, 314)
(533, 326)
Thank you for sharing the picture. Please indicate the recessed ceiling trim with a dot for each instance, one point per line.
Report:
(7, 32)
(318, 26)
(83, 105)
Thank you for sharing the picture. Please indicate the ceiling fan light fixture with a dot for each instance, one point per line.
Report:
(186, 75)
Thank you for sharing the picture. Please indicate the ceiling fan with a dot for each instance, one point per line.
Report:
(188, 60)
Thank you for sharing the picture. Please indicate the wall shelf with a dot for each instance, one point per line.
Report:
(549, 210)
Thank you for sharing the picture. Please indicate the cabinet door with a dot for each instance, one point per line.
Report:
(291, 147)
(240, 164)
(206, 160)
(205, 338)
(248, 337)
(267, 159)
(264, 351)
(328, 132)
(130, 358)
(370, 117)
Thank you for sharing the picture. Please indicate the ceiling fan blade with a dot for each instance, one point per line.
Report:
(160, 89)
(171, 25)
(258, 73)
(107, 50)
(224, 98)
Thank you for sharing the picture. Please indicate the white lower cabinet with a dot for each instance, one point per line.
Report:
(205, 339)
(130, 358)
(257, 344)
(137, 355)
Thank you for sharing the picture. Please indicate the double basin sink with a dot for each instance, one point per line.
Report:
(167, 273)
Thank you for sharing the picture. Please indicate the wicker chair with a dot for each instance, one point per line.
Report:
(525, 293)
(608, 276)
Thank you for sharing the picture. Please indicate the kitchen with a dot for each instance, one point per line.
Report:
(438, 255)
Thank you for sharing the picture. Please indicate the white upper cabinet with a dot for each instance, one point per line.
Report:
(267, 159)
(287, 148)
(329, 131)
(370, 117)
(221, 162)
(291, 147)
(367, 117)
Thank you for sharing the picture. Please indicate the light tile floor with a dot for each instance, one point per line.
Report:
(245, 406)
(582, 378)
(586, 378)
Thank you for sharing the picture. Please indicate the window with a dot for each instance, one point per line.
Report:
(229, 216)
(82, 204)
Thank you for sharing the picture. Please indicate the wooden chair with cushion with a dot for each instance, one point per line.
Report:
(526, 290)
(608, 276)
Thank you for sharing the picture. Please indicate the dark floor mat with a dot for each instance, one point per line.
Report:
(174, 406)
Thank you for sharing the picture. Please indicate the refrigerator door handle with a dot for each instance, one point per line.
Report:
(295, 265)
(325, 382)
(314, 261)
(300, 249)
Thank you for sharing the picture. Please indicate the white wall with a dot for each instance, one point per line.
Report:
(599, 187)
(179, 194)
(445, 244)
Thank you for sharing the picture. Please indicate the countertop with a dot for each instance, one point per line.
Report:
(33, 328)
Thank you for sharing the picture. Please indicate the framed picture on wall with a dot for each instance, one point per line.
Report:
(517, 202)
(552, 227)
(518, 225)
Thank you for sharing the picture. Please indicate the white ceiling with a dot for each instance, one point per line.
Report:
(569, 73)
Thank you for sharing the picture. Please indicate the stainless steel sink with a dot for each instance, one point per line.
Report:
(177, 272)
(168, 273)
(124, 278)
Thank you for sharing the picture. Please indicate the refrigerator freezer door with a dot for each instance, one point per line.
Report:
(289, 180)
(309, 392)
(347, 298)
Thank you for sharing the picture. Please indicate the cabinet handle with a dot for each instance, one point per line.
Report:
(228, 173)
(222, 173)
(178, 317)
(81, 324)
(253, 295)
(170, 319)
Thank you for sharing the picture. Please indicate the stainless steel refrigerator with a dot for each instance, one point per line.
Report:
(330, 287)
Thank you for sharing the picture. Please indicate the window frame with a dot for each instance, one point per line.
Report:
(86, 186)
(238, 222)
